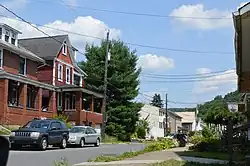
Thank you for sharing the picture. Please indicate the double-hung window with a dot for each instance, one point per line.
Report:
(60, 72)
(22, 66)
(67, 75)
(13, 38)
(7, 35)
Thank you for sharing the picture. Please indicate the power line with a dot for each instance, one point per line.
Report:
(184, 78)
(201, 74)
(23, 20)
(191, 80)
(133, 44)
(141, 14)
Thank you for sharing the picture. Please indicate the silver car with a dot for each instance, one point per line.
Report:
(83, 135)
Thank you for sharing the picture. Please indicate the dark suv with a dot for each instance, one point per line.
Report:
(40, 133)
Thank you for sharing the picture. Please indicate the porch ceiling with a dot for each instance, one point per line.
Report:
(73, 88)
(22, 79)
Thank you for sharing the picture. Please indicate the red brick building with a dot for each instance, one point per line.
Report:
(40, 77)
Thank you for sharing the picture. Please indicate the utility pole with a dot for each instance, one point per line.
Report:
(166, 127)
(104, 119)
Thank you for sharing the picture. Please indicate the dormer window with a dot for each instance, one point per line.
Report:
(64, 49)
(7, 35)
(13, 38)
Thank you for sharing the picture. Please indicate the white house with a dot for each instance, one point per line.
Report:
(156, 122)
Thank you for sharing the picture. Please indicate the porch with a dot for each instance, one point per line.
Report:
(23, 100)
(82, 106)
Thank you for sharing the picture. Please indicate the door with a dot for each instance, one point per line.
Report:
(55, 133)
(93, 135)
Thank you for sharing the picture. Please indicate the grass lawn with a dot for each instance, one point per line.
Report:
(183, 163)
(212, 155)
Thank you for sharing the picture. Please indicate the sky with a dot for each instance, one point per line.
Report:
(194, 47)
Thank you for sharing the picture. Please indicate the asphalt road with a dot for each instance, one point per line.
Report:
(73, 155)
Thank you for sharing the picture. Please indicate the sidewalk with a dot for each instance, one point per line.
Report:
(154, 157)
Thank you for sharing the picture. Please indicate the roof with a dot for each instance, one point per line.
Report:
(21, 50)
(45, 47)
(69, 88)
(187, 117)
(10, 28)
(49, 47)
(173, 113)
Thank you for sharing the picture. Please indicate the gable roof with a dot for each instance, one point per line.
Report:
(49, 47)
(45, 47)
(170, 112)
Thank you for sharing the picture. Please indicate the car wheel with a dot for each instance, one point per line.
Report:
(97, 144)
(43, 144)
(82, 143)
(63, 144)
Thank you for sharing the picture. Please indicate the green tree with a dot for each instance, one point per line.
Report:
(123, 85)
(156, 101)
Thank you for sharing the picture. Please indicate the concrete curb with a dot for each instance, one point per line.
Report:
(140, 162)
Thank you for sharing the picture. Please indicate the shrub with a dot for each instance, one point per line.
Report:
(160, 145)
(64, 119)
(207, 145)
(110, 139)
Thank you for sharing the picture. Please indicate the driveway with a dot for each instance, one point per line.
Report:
(73, 155)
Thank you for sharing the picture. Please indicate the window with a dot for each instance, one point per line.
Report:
(64, 48)
(13, 93)
(13, 38)
(77, 80)
(68, 75)
(1, 33)
(60, 72)
(59, 99)
(160, 125)
(67, 101)
(56, 125)
(7, 35)
(1, 58)
(73, 101)
(93, 131)
(31, 96)
(22, 66)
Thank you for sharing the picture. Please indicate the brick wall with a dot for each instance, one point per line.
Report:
(11, 65)
(45, 74)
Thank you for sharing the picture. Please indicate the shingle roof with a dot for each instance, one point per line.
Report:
(171, 112)
(45, 47)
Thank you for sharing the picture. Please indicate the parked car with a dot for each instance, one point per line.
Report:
(83, 135)
(40, 133)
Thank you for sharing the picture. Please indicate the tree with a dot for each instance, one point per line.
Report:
(156, 101)
(123, 85)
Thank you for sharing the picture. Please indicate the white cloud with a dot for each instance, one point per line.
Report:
(82, 25)
(199, 10)
(215, 81)
(155, 62)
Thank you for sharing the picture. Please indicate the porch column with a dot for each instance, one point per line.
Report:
(92, 105)
(38, 100)
(52, 102)
(78, 117)
(23, 96)
(23, 101)
(4, 84)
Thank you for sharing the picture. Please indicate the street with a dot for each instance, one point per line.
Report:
(73, 155)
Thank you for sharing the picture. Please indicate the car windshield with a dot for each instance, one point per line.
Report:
(37, 124)
(77, 130)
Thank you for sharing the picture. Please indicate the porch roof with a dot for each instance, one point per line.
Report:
(23, 79)
(72, 88)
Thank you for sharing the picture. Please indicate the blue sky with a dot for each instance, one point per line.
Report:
(210, 35)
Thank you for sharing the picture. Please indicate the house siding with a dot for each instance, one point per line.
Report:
(11, 65)
(65, 58)
(45, 74)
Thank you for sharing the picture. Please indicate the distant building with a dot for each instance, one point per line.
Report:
(188, 120)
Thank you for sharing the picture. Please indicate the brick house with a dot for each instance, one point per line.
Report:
(20, 89)
(61, 81)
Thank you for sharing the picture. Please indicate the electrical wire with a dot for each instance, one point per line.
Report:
(130, 43)
(140, 14)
